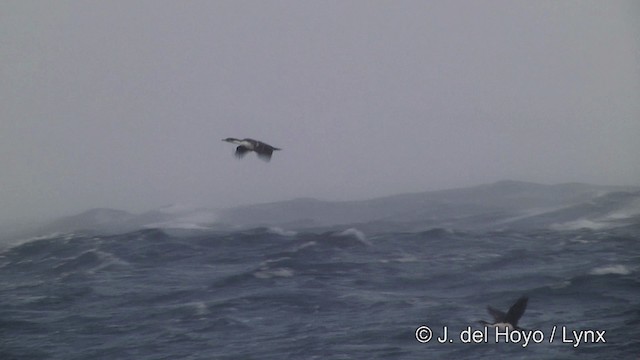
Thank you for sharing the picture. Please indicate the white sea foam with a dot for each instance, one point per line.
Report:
(611, 269)
(15, 243)
(103, 260)
(109, 260)
(304, 245)
(353, 232)
(280, 231)
(631, 210)
(579, 224)
(265, 263)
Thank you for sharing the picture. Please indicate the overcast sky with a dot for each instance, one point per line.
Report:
(124, 103)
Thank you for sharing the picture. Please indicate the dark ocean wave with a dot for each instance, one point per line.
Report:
(269, 293)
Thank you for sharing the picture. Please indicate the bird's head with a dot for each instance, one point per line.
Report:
(231, 140)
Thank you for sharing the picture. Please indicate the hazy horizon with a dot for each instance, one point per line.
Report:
(180, 208)
(124, 104)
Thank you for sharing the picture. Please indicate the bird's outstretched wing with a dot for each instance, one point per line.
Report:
(516, 310)
(265, 155)
(498, 316)
(264, 151)
(241, 151)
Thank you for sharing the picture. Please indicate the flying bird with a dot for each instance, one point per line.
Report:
(510, 319)
(263, 150)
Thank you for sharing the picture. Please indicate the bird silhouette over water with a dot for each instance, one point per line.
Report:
(263, 150)
(511, 318)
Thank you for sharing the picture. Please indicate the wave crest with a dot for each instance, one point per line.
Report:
(611, 269)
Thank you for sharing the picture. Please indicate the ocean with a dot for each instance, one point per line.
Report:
(272, 293)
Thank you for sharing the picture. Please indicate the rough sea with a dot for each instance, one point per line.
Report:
(268, 293)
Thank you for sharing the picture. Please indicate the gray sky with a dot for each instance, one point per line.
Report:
(124, 103)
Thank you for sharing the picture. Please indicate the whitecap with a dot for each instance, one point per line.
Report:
(280, 231)
(353, 232)
(109, 260)
(631, 210)
(578, 224)
(91, 262)
(19, 242)
(266, 263)
(304, 246)
(611, 269)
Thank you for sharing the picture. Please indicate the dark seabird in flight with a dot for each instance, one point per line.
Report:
(510, 319)
(264, 151)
